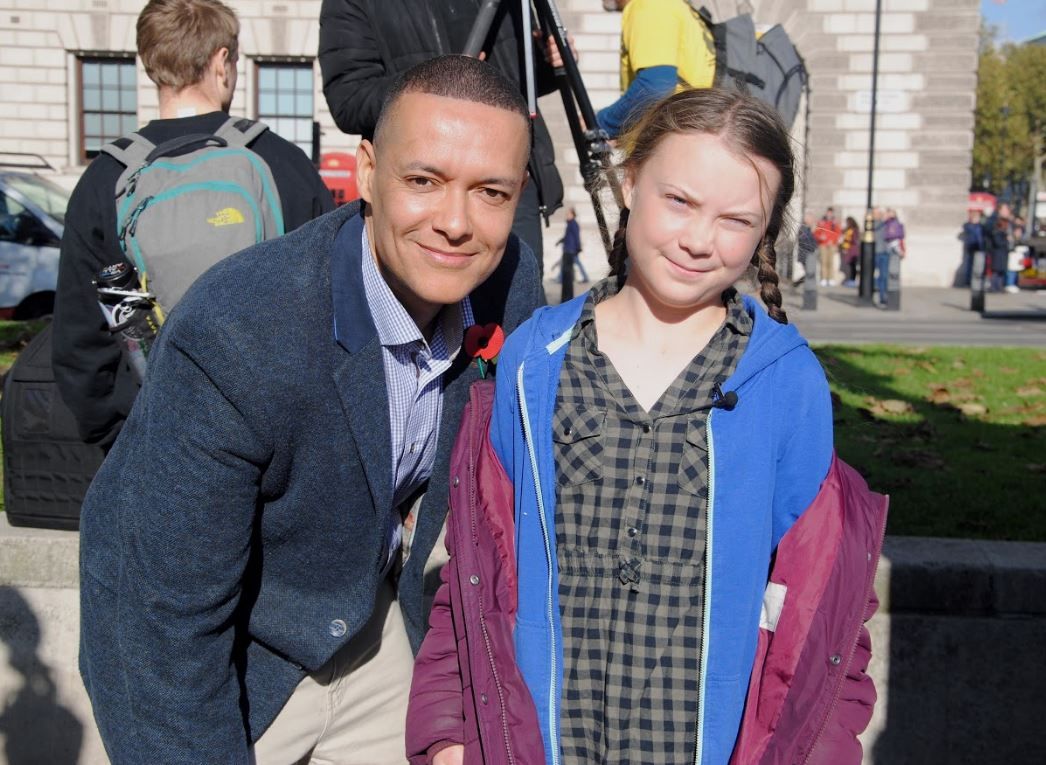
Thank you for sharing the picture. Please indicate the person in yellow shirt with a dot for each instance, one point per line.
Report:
(665, 47)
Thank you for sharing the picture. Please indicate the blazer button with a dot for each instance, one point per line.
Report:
(836, 659)
(474, 579)
(483, 698)
(337, 628)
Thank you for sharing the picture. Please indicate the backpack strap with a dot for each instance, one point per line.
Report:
(240, 131)
(131, 151)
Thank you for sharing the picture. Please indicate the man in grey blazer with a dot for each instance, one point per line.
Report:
(246, 591)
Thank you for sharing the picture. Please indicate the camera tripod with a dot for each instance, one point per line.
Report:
(590, 141)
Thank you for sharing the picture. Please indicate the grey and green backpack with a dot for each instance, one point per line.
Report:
(186, 204)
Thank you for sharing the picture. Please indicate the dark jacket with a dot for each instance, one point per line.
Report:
(233, 539)
(95, 382)
(808, 695)
(366, 44)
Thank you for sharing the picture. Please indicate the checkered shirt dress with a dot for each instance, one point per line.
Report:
(632, 495)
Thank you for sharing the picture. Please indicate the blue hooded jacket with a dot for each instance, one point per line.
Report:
(767, 458)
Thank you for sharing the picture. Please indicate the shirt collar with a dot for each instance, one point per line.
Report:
(737, 318)
(394, 325)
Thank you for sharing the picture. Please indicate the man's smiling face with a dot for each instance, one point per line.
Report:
(441, 185)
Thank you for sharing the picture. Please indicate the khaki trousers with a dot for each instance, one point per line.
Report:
(828, 258)
(353, 710)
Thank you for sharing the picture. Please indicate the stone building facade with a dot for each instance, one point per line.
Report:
(924, 130)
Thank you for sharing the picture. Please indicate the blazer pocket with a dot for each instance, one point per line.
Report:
(693, 465)
(578, 438)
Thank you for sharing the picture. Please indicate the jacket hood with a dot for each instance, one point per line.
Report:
(769, 341)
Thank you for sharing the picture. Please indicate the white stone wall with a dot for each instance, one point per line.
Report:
(924, 129)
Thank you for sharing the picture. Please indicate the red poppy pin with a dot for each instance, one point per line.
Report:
(483, 343)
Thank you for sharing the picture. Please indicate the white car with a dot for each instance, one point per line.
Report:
(32, 218)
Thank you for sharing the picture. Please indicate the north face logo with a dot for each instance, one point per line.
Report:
(230, 216)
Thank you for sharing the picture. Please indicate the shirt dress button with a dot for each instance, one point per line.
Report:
(483, 698)
(640, 480)
(632, 531)
(474, 579)
(836, 659)
(337, 628)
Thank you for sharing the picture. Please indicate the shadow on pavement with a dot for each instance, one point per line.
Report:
(37, 728)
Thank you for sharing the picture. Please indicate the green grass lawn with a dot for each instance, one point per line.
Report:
(956, 436)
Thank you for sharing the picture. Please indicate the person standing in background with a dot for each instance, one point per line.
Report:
(364, 45)
(571, 242)
(827, 237)
(665, 46)
(189, 49)
(850, 251)
(972, 236)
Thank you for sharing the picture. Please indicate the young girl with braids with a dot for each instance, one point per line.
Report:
(655, 556)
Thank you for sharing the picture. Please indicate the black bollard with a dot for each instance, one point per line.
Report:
(566, 273)
(866, 285)
(813, 268)
(977, 282)
(893, 281)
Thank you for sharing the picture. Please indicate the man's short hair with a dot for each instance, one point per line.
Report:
(456, 76)
(178, 38)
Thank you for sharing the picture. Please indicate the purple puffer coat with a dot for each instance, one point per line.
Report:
(809, 694)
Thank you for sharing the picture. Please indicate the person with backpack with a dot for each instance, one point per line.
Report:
(665, 45)
(672, 45)
(129, 206)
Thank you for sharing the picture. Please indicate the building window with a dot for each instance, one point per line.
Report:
(108, 102)
(285, 101)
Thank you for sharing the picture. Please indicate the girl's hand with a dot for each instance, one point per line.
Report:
(452, 755)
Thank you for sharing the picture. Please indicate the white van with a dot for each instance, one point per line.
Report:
(32, 218)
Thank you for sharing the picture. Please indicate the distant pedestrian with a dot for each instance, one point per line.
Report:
(882, 253)
(850, 251)
(806, 249)
(571, 241)
(827, 236)
(972, 236)
(997, 246)
(893, 233)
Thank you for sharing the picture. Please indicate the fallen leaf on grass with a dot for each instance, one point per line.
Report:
(962, 382)
(927, 366)
(1007, 370)
(1035, 467)
(972, 408)
(901, 371)
(940, 395)
(978, 373)
(1029, 391)
(1038, 421)
(958, 364)
(889, 406)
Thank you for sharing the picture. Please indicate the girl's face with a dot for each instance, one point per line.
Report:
(697, 213)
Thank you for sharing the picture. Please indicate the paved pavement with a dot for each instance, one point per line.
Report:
(928, 316)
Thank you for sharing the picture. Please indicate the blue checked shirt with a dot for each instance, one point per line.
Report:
(414, 379)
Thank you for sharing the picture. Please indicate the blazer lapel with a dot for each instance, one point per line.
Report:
(359, 371)
(360, 381)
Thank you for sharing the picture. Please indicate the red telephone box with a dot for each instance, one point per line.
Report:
(338, 171)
